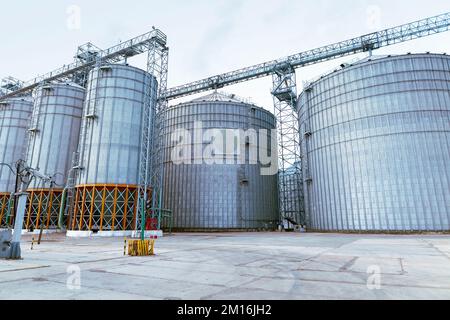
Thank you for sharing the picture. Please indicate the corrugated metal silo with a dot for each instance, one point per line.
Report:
(218, 196)
(106, 190)
(54, 132)
(15, 114)
(291, 204)
(375, 144)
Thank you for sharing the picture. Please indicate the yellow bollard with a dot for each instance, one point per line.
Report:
(141, 247)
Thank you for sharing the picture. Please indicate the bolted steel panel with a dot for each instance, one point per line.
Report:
(54, 130)
(375, 145)
(14, 118)
(109, 147)
(218, 196)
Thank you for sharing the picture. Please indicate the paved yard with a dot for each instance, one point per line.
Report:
(234, 266)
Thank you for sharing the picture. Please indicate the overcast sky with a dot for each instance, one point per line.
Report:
(205, 37)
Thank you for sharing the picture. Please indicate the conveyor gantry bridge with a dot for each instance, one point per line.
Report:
(372, 41)
(115, 54)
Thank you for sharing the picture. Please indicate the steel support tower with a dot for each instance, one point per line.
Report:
(150, 171)
(284, 94)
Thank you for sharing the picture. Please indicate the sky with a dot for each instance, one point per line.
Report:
(206, 37)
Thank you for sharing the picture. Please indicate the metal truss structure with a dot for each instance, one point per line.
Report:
(151, 167)
(10, 84)
(284, 92)
(43, 207)
(5, 208)
(86, 53)
(83, 64)
(372, 41)
(104, 208)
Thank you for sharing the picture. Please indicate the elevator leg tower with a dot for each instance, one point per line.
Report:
(290, 175)
(150, 170)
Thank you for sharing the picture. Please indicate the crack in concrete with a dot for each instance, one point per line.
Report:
(22, 269)
(349, 264)
(431, 245)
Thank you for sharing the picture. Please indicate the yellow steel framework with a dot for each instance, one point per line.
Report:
(104, 207)
(4, 202)
(43, 206)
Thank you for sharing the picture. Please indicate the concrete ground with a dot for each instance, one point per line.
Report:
(234, 266)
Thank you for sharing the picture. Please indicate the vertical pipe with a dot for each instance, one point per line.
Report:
(143, 221)
(62, 209)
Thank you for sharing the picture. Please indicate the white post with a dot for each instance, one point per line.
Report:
(15, 243)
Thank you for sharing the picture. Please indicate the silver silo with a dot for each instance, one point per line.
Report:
(292, 180)
(54, 132)
(106, 187)
(375, 144)
(15, 114)
(206, 196)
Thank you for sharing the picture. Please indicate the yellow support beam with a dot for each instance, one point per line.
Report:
(102, 213)
(125, 210)
(75, 209)
(83, 202)
(119, 201)
(30, 203)
(91, 212)
(49, 210)
(114, 213)
(4, 199)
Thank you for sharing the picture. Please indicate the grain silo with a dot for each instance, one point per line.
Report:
(375, 140)
(109, 152)
(233, 195)
(291, 205)
(15, 114)
(53, 138)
